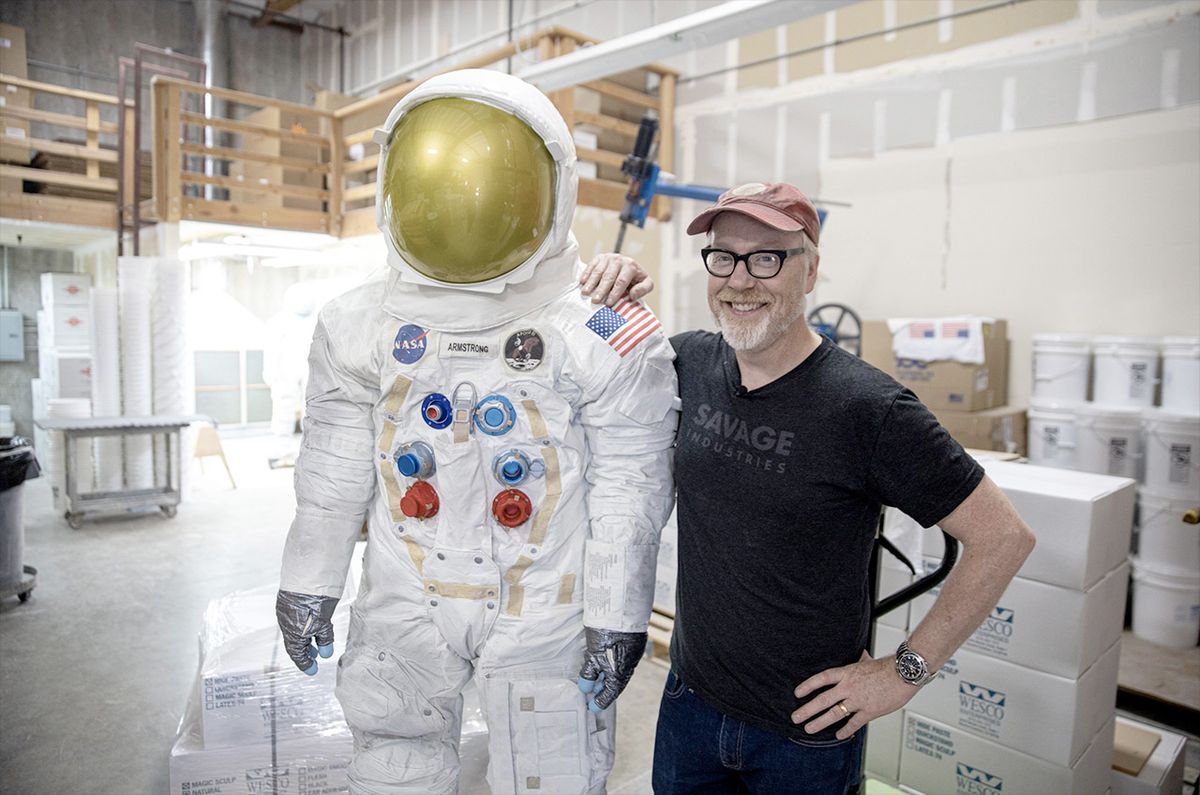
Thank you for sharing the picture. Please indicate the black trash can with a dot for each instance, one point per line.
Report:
(17, 464)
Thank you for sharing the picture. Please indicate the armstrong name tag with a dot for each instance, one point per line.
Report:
(473, 347)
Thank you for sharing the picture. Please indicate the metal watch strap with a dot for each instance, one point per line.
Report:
(929, 676)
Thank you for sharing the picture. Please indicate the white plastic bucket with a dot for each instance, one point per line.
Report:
(1181, 374)
(1052, 433)
(1060, 366)
(1172, 453)
(1125, 370)
(1166, 606)
(1167, 541)
(1108, 440)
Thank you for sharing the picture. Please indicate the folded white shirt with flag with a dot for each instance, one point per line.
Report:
(958, 338)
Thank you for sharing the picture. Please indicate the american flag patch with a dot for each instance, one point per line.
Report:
(624, 326)
(955, 329)
(921, 330)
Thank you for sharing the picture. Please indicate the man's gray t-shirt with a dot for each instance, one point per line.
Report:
(779, 493)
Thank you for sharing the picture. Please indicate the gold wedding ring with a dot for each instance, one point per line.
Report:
(842, 706)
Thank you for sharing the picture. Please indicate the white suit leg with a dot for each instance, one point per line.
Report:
(400, 688)
(541, 737)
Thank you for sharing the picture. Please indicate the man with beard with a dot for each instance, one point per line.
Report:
(788, 446)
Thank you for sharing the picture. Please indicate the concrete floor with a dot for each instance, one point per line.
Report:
(95, 668)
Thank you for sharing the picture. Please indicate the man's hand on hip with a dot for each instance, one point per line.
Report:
(863, 691)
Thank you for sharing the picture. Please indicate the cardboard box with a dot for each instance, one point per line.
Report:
(883, 746)
(306, 766)
(65, 375)
(66, 289)
(1163, 771)
(939, 758)
(1050, 717)
(1002, 429)
(65, 328)
(945, 384)
(14, 132)
(1083, 521)
(1064, 641)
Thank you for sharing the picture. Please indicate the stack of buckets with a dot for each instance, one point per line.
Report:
(1121, 432)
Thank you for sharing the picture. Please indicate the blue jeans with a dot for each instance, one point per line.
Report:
(701, 750)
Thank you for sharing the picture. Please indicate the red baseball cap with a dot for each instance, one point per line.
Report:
(776, 204)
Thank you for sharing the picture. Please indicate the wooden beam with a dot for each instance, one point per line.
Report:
(364, 137)
(243, 97)
(272, 8)
(58, 210)
(245, 128)
(59, 178)
(92, 114)
(666, 136)
(225, 153)
(609, 195)
(600, 156)
(356, 223)
(64, 149)
(196, 209)
(60, 119)
(606, 123)
(337, 179)
(360, 192)
(62, 91)
(618, 91)
(368, 163)
(196, 178)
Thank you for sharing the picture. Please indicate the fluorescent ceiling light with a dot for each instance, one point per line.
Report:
(705, 28)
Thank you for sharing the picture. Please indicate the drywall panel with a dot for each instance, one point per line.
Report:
(712, 158)
(856, 20)
(756, 144)
(802, 35)
(1087, 228)
(755, 47)
(1007, 20)
(801, 145)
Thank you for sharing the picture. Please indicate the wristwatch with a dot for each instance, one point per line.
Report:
(912, 667)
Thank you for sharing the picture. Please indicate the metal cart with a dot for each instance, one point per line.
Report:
(164, 496)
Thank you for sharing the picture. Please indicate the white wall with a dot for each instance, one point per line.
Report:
(1088, 228)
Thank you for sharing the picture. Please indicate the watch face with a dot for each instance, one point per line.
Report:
(910, 667)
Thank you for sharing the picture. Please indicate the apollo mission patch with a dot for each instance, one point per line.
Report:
(524, 349)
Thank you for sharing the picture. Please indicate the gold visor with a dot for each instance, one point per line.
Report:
(468, 190)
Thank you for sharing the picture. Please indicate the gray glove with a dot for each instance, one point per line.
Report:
(302, 619)
(608, 664)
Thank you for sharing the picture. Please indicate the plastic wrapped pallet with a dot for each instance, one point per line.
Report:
(256, 724)
(305, 766)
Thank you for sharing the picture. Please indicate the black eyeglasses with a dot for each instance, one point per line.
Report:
(763, 264)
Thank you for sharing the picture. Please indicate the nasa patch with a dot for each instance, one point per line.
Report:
(410, 344)
(524, 350)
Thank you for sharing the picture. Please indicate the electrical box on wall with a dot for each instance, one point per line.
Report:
(12, 336)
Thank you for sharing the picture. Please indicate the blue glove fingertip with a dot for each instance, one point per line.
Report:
(585, 685)
(326, 650)
(311, 670)
(593, 707)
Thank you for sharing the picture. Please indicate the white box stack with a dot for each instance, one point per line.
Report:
(1027, 703)
(65, 335)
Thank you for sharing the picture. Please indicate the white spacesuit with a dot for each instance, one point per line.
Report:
(509, 443)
